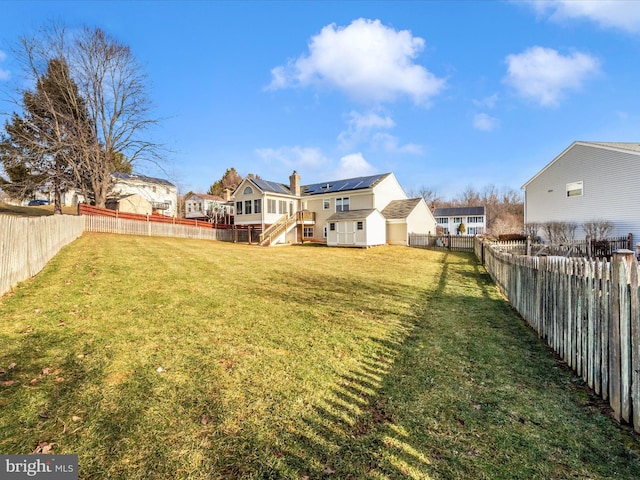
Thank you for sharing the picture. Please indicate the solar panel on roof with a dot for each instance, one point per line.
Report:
(340, 185)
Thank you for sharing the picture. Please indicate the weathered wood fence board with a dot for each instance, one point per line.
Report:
(94, 223)
(27, 244)
(587, 310)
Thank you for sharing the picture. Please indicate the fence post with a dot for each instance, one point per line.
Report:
(630, 241)
(619, 336)
(528, 245)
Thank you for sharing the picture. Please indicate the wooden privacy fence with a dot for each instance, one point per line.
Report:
(586, 310)
(95, 223)
(27, 244)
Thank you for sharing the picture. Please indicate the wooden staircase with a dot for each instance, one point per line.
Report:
(283, 225)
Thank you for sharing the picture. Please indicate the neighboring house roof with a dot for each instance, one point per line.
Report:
(458, 211)
(633, 148)
(206, 196)
(351, 215)
(398, 209)
(142, 178)
(347, 184)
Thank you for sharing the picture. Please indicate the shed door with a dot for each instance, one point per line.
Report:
(346, 233)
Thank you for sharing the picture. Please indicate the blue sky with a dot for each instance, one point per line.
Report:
(445, 94)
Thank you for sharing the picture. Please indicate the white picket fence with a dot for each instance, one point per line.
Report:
(27, 244)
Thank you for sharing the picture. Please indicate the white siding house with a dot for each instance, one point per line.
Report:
(353, 207)
(589, 181)
(162, 194)
(449, 220)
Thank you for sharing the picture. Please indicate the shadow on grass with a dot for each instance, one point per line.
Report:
(462, 393)
(462, 389)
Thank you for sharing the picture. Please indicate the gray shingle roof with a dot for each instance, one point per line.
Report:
(634, 147)
(142, 178)
(458, 211)
(399, 209)
(351, 215)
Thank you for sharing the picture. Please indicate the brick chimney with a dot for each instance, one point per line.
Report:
(294, 183)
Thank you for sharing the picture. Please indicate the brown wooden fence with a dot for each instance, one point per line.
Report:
(586, 310)
(109, 221)
(28, 243)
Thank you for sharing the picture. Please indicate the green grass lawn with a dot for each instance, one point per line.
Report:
(39, 211)
(157, 358)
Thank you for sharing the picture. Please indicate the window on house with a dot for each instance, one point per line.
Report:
(238, 208)
(326, 204)
(457, 219)
(247, 191)
(247, 207)
(189, 209)
(282, 205)
(342, 204)
(574, 189)
(443, 221)
(360, 226)
(324, 232)
(474, 219)
(271, 205)
(332, 227)
(257, 205)
(308, 232)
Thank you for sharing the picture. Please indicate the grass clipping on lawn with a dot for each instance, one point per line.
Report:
(164, 358)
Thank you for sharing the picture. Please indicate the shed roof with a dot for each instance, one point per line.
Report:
(351, 215)
(458, 211)
(398, 209)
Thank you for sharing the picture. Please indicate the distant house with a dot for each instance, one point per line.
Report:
(450, 220)
(202, 206)
(162, 194)
(347, 212)
(133, 203)
(589, 181)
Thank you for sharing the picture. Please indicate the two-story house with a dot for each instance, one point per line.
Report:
(202, 206)
(450, 220)
(347, 212)
(162, 194)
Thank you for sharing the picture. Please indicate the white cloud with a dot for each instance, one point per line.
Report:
(485, 122)
(367, 60)
(354, 165)
(487, 102)
(391, 144)
(368, 128)
(296, 156)
(620, 14)
(543, 75)
(360, 128)
(4, 74)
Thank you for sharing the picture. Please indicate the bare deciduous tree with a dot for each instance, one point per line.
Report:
(597, 229)
(111, 109)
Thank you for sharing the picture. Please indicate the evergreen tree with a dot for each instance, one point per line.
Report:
(38, 144)
(231, 179)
